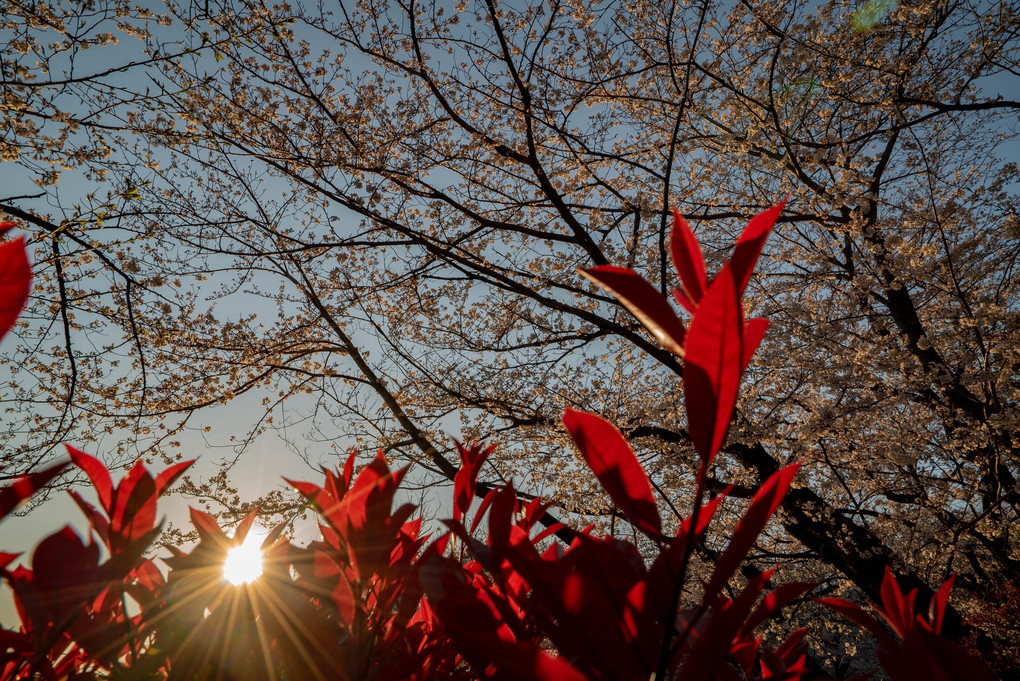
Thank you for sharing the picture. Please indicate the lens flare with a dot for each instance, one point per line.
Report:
(244, 563)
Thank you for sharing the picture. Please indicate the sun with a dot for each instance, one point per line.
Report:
(244, 563)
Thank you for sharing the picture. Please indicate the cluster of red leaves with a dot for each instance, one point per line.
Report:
(376, 599)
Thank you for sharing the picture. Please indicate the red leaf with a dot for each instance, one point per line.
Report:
(486, 501)
(344, 599)
(763, 505)
(937, 606)
(665, 569)
(649, 306)
(148, 576)
(897, 609)
(167, 477)
(244, 526)
(750, 243)
(712, 365)
(688, 260)
(581, 600)
(472, 457)
(711, 645)
(349, 469)
(617, 468)
(855, 613)
(307, 489)
(754, 331)
(951, 659)
(97, 473)
(6, 559)
(205, 524)
(773, 602)
(15, 282)
(64, 572)
(685, 301)
(134, 506)
(792, 642)
(371, 495)
(274, 534)
(61, 562)
(546, 667)
(98, 521)
(25, 486)
(501, 515)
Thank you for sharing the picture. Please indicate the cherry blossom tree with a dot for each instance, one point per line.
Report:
(372, 215)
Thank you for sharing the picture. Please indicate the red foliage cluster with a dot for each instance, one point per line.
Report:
(377, 599)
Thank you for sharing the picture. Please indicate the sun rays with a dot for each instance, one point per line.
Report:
(243, 564)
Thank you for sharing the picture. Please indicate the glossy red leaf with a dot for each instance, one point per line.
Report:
(244, 527)
(25, 486)
(62, 561)
(666, 567)
(773, 602)
(644, 302)
(96, 519)
(501, 516)
(580, 600)
(471, 618)
(713, 641)
(685, 301)
(483, 507)
(7, 558)
(762, 507)
(897, 610)
(15, 282)
(344, 599)
(754, 332)
(64, 577)
(704, 516)
(855, 613)
(167, 477)
(750, 243)
(98, 474)
(206, 525)
(920, 653)
(348, 472)
(712, 365)
(148, 576)
(134, 505)
(792, 642)
(788, 662)
(617, 468)
(472, 456)
(688, 260)
(533, 511)
(309, 490)
(937, 606)
(948, 657)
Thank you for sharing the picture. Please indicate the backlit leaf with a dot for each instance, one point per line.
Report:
(649, 306)
(97, 473)
(763, 505)
(15, 282)
(168, 476)
(617, 468)
(688, 260)
(754, 331)
(712, 365)
(134, 505)
(749, 245)
(25, 486)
